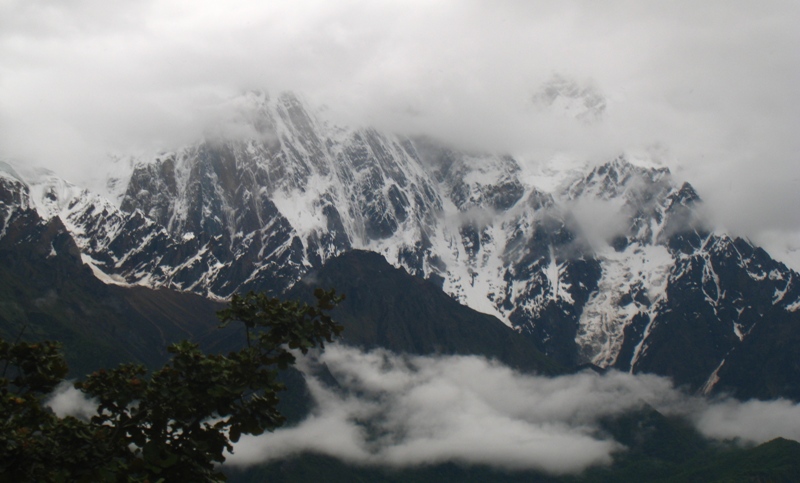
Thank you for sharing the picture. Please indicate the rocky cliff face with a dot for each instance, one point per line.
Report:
(645, 287)
(46, 290)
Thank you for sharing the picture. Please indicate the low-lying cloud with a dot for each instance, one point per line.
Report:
(599, 221)
(393, 410)
(396, 411)
(68, 401)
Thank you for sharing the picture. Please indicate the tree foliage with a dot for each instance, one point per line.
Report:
(172, 425)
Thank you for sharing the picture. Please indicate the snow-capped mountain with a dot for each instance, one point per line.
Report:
(570, 99)
(259, 210)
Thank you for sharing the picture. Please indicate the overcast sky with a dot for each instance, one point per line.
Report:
(712, 86)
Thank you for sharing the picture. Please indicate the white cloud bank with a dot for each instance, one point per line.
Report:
(392, 410)
(403, 411)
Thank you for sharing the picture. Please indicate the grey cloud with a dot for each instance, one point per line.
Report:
(751, 421)
(713, 81)
(599, 221)
(68, 401)
(397, 410)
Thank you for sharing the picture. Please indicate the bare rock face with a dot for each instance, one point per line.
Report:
(643, 286)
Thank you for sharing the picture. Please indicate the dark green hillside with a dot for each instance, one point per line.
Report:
(386, 307)
(777, 461)
(324, 469)
(47, 293)
(767, 363)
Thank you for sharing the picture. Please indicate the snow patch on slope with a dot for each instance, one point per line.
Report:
(101, 275)
(633, 282)
(301, 206)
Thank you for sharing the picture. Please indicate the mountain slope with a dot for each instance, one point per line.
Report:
(385, 307)
(46, 292)
(611, 266)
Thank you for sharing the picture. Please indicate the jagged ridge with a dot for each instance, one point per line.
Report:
(259, 211)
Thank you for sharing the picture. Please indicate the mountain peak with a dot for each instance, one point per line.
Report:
(568, 97)
(624, 164)
(8, 171)
(618, 177)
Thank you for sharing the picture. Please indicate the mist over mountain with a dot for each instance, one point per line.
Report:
(565, 230)
(612, 265)
(459, 263)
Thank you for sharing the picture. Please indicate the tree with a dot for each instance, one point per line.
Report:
(172, 425)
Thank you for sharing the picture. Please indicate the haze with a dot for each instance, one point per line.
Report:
(708, 88)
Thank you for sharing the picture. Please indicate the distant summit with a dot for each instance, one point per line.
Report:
(569, 98)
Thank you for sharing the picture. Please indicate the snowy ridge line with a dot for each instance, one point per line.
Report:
(584, 260)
